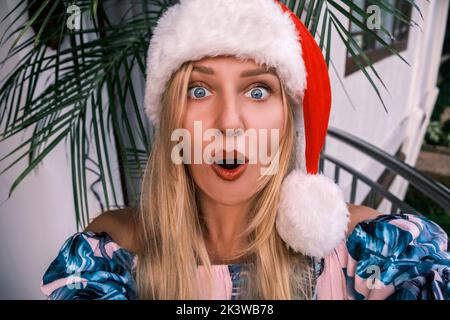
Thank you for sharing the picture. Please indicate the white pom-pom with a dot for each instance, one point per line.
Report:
(312, 216)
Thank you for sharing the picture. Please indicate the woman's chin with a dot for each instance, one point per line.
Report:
(228, 190)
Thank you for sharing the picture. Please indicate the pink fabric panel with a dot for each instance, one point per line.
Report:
(221, 286)
(330, 284)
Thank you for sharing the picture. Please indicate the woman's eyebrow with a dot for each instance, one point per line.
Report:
(203, 69)
(247, 73)
(257, 72)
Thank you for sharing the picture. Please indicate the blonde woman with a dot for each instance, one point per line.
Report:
(231, 204)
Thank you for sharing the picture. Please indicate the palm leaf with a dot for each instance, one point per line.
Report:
(86, 74)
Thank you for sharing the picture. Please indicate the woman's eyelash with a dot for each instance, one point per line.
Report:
(256, 85)
(262, 85)
(197, 84)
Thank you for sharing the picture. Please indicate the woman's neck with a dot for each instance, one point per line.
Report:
(225, 225)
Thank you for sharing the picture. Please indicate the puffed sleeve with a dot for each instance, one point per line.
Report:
(91, 266)
(397, 257)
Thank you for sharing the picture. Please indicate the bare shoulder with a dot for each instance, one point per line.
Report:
(120, 224)
(360, 213)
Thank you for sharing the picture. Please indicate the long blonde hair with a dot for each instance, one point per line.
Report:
(171, 232)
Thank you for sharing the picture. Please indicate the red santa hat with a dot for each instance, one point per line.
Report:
(313, 215)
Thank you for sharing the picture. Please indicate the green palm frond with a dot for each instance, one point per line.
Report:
(91, 97)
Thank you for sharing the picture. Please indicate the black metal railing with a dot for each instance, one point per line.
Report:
(434, 190)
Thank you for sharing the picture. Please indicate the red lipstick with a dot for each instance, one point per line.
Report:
(229, 174)
(232, 168)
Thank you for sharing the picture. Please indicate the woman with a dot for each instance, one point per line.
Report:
(241, 222)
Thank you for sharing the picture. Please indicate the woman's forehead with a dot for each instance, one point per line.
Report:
(229, 60)
(246, 67)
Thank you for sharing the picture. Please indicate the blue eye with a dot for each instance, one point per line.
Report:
(258, 93)
(197, 92)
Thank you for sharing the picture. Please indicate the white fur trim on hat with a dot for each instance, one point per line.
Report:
(313, 216)
(194, 29)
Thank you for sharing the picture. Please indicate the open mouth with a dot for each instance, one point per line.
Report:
(230, 167)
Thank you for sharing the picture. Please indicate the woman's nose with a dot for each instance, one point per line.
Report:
(229, 115)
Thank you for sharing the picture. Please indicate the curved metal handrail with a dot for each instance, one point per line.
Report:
(375, 185)
(433, 189)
